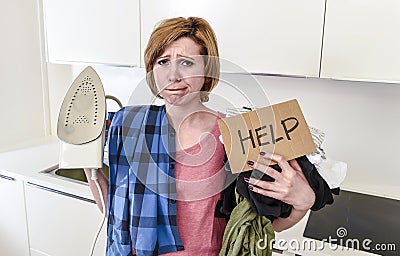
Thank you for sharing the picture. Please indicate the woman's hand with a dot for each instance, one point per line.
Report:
(290, 185)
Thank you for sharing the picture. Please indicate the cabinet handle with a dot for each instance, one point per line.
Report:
(61, 192)
(6, 177)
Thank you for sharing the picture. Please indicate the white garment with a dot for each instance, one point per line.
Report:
(332, 171)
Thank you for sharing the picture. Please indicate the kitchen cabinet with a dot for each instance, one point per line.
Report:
(96, 31)
(276, 37)
(361, 40)
(13, 226)
(61, 224)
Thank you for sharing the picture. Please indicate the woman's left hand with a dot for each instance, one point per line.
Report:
(290, 185)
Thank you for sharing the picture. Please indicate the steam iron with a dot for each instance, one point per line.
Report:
(81, 123)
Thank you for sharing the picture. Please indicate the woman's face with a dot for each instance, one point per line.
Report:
(179, 72)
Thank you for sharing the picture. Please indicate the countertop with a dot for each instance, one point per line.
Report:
(26, 163)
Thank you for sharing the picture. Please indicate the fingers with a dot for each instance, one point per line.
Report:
(287, 169)
(270, 189)
(265, 169)
(264, 185)
(264, 191)
(282, 180)
(280, 160)
(295, 165)
(290, 185)
(257, 185)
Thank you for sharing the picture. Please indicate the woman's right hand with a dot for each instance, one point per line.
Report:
(290, 185)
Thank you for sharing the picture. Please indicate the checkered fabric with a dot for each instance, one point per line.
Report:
(141, 199)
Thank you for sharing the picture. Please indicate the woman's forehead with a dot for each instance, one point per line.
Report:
(182, 46)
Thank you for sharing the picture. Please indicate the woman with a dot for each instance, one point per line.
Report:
(182, 68)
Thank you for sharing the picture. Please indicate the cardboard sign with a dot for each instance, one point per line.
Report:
(279, 129)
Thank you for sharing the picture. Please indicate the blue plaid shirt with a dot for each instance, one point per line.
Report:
(141, 199)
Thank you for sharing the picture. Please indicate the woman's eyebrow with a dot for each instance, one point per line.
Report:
(165, 56)
(179, 55)
(184, 56)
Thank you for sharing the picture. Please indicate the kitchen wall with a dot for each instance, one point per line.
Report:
(22, 88)
(360, 118)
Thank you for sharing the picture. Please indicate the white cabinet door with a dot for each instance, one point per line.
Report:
(361, 40)
(61, 224)
(266, 36)
(98, 31)
(13, 227)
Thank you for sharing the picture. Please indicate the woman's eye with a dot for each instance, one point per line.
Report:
(187, 63)
(162, 62)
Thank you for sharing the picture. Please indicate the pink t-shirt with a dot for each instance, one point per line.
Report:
(200, 179)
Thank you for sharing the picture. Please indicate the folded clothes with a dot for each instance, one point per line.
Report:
(273, 208)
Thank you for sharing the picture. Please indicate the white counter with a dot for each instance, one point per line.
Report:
(27, 163)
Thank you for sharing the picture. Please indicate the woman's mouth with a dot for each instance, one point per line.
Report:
(180, 89)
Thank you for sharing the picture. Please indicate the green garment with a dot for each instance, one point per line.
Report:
(247, 233)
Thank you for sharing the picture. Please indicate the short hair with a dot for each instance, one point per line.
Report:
(200, 31)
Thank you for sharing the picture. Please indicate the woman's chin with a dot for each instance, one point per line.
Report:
(180, 99)
(175, 99)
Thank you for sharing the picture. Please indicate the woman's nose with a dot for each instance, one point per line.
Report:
(174, 73)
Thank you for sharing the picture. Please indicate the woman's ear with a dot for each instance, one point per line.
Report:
(204, 96)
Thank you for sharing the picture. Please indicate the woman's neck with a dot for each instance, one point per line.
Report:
(188, 114)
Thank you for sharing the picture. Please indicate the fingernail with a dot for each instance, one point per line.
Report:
(251, 163)
(262, 153)
(246, 179)
(251, 187)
